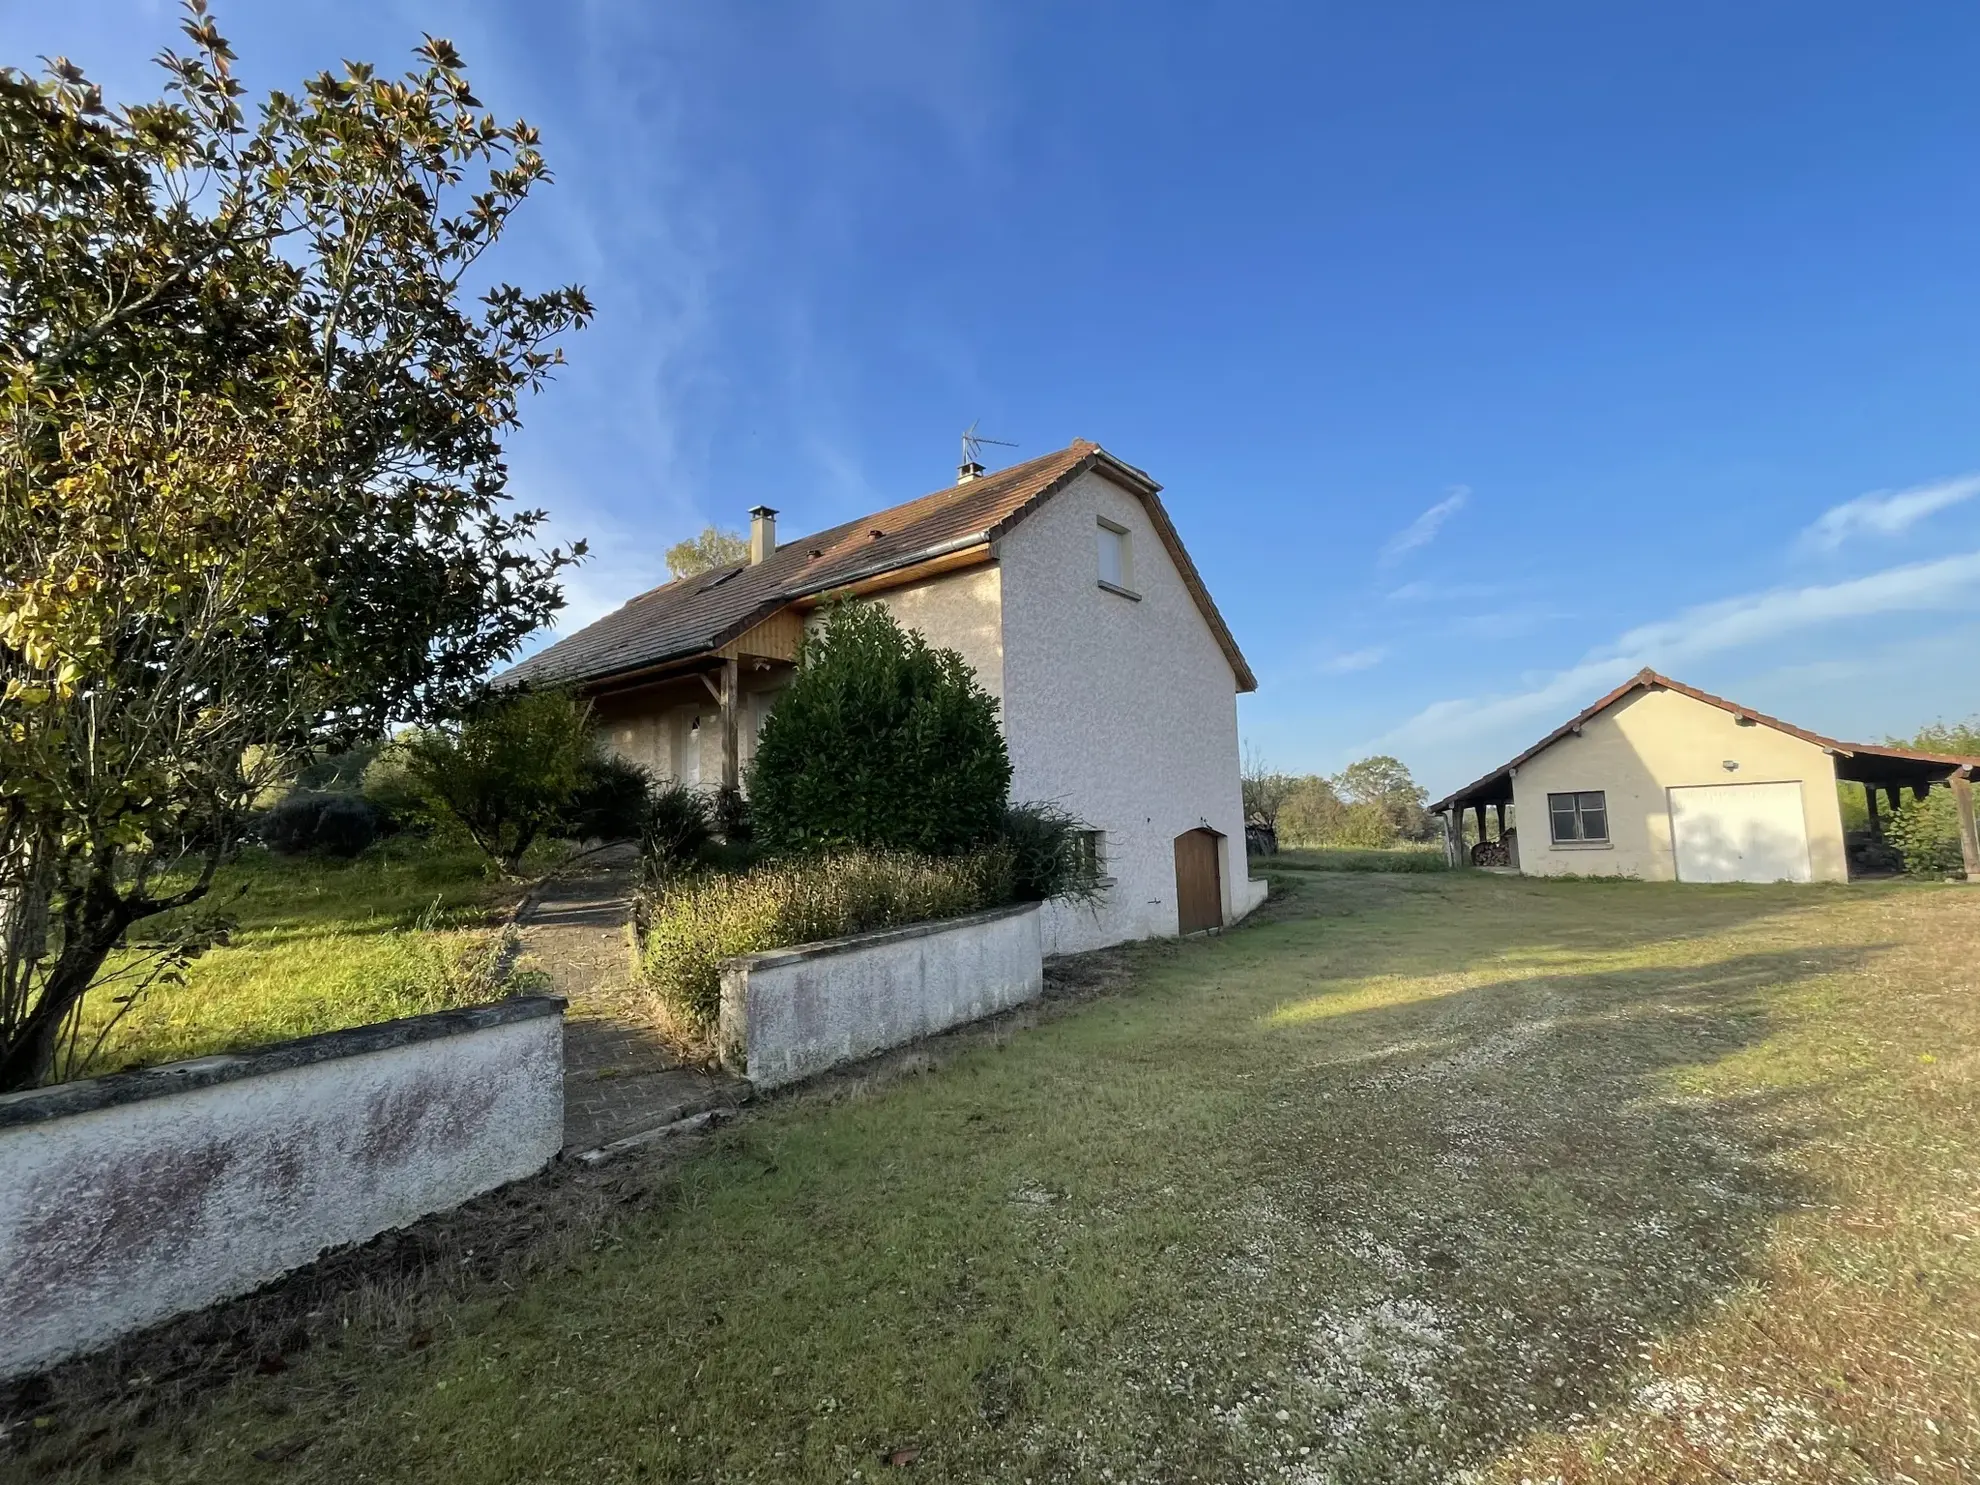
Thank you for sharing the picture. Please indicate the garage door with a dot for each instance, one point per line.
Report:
(1740, 833)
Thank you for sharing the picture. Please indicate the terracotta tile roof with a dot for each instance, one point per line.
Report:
(693, 615)
(1498, 781)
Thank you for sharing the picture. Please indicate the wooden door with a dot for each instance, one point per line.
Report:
(1199, 883)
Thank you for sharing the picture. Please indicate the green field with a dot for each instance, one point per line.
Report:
(318, 945)
(1419, 1174)
(1355, 858)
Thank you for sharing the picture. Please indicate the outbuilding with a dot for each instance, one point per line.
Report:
(1664, 782)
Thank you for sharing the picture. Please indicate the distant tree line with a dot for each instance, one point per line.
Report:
(1370, 803)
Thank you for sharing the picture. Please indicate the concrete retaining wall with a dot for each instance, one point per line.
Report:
(795, 1012)
(129, 1199)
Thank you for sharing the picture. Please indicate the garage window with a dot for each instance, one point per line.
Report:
(1579, 817)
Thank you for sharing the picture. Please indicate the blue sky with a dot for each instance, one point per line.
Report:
(1487, 353)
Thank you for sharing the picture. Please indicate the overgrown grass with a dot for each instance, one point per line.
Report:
(691, 924)
(1545, 1180)
(320, 945)
(1353, 858)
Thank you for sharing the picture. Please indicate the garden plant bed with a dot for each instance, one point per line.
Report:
(1422, 1173)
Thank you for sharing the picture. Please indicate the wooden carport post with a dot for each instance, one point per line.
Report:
(731, 702)
(1969, 842)
(1876, 820)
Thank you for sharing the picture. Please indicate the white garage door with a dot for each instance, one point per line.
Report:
(1740, 833)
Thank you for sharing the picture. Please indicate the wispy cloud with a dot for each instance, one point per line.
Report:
(1423, 530)
(1948, 584)
(1506, 623)
(1353, 660)
(1435, 592)
(1886, 512)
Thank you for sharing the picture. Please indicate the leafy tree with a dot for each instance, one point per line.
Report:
(881, 742)
(713, 548)
(1384, 787)
(510, 773)
(1312, 813)
(1961, 739)
(253, 505)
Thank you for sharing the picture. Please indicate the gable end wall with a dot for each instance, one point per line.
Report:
(1637, 751)
(1123, 712)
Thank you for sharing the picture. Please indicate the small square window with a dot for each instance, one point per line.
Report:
(1581, 816)
(1092, 848)
(1116, 557)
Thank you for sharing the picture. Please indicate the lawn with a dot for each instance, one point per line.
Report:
(1356, 858)
(1422, 1177)
(318, 945)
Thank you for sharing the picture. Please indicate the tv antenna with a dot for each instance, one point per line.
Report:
(972, 446)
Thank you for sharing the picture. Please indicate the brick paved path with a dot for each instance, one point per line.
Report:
(620, 1077)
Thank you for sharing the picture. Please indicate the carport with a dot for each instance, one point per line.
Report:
(1889, 772)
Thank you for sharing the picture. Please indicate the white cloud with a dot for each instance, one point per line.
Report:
(1353, 660)
(1949, 584)
(1434, 592)
(1423, 530)
(1886, 512)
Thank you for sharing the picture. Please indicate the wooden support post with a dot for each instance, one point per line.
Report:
(1876, 819)
(1891, 799)
(1501, 808)
(1483, 835)
(1453, 838)
(1969, 842)
(731, 725)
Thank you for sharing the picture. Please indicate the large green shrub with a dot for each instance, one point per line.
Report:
(882, 743)
(508, 773)
(1926, 832)
(329, 824)
(694, 923)
(678, 827)
(611, 802)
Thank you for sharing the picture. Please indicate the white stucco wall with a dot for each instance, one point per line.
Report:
(1640, 749)
(177, 1193)
(960, 611)
(1121, 711)
(796, 1012)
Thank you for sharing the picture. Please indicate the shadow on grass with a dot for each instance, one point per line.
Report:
(1523, 1191)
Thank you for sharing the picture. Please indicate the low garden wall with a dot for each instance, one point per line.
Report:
(794, 1012)
(127, 1199)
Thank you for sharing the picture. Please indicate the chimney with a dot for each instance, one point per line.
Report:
(968, 470)
(762, 533)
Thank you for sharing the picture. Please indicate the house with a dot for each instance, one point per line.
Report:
(1664, 782)
(1063, 583)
